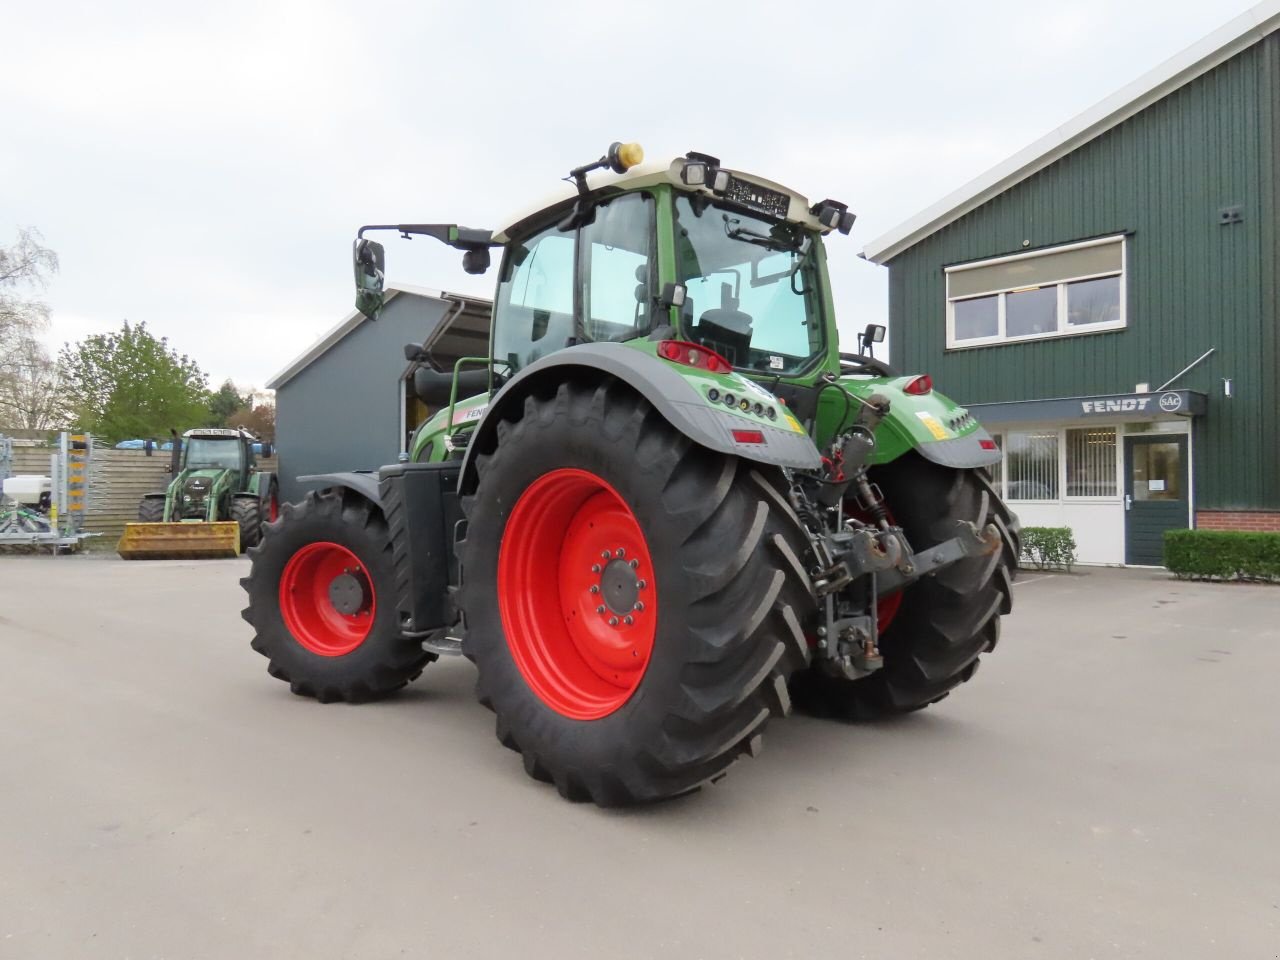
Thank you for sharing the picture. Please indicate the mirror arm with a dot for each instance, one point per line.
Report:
(450, 234)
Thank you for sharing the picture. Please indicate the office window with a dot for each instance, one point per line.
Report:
(1073, 289)
(1091, 462)
(1032, 461)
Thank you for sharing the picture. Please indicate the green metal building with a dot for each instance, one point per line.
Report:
(1064, 294)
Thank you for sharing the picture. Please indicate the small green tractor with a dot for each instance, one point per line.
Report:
(663, 509)
(216, 504)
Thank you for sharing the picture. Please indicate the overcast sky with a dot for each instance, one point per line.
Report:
(204, 167)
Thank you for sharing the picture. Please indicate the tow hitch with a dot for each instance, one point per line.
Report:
(866, 564)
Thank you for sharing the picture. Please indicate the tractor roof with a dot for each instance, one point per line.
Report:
(651, 174)
(216, 433)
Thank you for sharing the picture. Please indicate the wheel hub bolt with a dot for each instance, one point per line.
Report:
(619, 552)
(639, 607)
(595, 568)
(595, 588)
(605, 555)
(613, 621)
(600, 609)
(634, 564)
(642, 584)
(628, 620)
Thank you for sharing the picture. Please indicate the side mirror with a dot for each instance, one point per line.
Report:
(874, 333)
(413, 352)
(673, 295)
(369, 260)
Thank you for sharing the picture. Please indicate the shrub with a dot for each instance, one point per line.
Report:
(1222, 555)
(1049, 547)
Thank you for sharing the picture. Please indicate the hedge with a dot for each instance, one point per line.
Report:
(1222, 555)
(1049, 547)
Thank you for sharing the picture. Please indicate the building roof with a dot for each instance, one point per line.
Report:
(1198, 59)
(348, 323)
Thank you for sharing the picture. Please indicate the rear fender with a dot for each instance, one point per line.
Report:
(671, 394)
(365, 484)
(933, 425)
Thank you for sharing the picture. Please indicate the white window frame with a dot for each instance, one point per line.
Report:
(1061, 430)
(1064, 330)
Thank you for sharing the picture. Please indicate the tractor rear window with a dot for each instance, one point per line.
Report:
(752, 287)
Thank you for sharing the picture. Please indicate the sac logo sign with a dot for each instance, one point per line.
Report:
(1170, 402)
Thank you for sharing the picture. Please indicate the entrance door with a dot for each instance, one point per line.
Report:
(1155, 495)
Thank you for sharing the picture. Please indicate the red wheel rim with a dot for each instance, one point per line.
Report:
(273, 507)
(576, 594)
(327, 600)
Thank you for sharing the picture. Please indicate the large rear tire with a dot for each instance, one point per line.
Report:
(633, 603)
(944, 622)
(322, 602)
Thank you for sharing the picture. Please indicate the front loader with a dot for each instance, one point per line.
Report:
(216, 504)
(664, 507)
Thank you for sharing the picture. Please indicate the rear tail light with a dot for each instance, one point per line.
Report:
(919, 386)
(693, 355)
(988, 444)
(748, 436)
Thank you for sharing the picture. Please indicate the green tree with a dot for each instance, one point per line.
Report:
(129, 384)
(224, 402)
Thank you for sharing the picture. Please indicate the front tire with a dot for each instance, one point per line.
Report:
(944, 622)
(662, 676)
(247, 512)
(322, 602)
(151, 510)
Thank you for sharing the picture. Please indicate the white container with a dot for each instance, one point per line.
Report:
(27, 489)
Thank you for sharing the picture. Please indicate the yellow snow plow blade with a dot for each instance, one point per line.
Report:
(179, 541)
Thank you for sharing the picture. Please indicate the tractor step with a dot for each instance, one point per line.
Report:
(179, 541)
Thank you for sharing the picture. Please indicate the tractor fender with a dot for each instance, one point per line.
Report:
(668, 392)
(365, 484)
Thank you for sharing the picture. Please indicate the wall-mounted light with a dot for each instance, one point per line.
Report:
(1226, 386)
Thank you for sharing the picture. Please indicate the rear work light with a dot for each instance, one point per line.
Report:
(693, 355)
(748, 436)
(919, 386)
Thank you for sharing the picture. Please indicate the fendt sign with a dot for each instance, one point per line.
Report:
(1170, 402)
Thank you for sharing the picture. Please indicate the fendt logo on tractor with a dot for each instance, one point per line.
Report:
(662, 508)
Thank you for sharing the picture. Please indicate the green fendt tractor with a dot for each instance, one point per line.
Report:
(665, 507)
(215, 506)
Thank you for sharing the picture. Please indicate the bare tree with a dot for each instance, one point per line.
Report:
(28, 377)
(30, 387)
(25, 266)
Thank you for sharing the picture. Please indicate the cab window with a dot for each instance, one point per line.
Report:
(534, 312)
(615, 277)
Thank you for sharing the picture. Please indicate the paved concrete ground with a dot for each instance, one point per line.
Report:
(1109, 786)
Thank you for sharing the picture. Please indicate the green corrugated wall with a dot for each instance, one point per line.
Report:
(1160, 177)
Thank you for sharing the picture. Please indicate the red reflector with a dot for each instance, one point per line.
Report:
(919, 386)
(748, 436)
(693, 355)
(988, 445)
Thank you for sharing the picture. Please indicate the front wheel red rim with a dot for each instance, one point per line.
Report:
(577, 594)
(327, 599)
